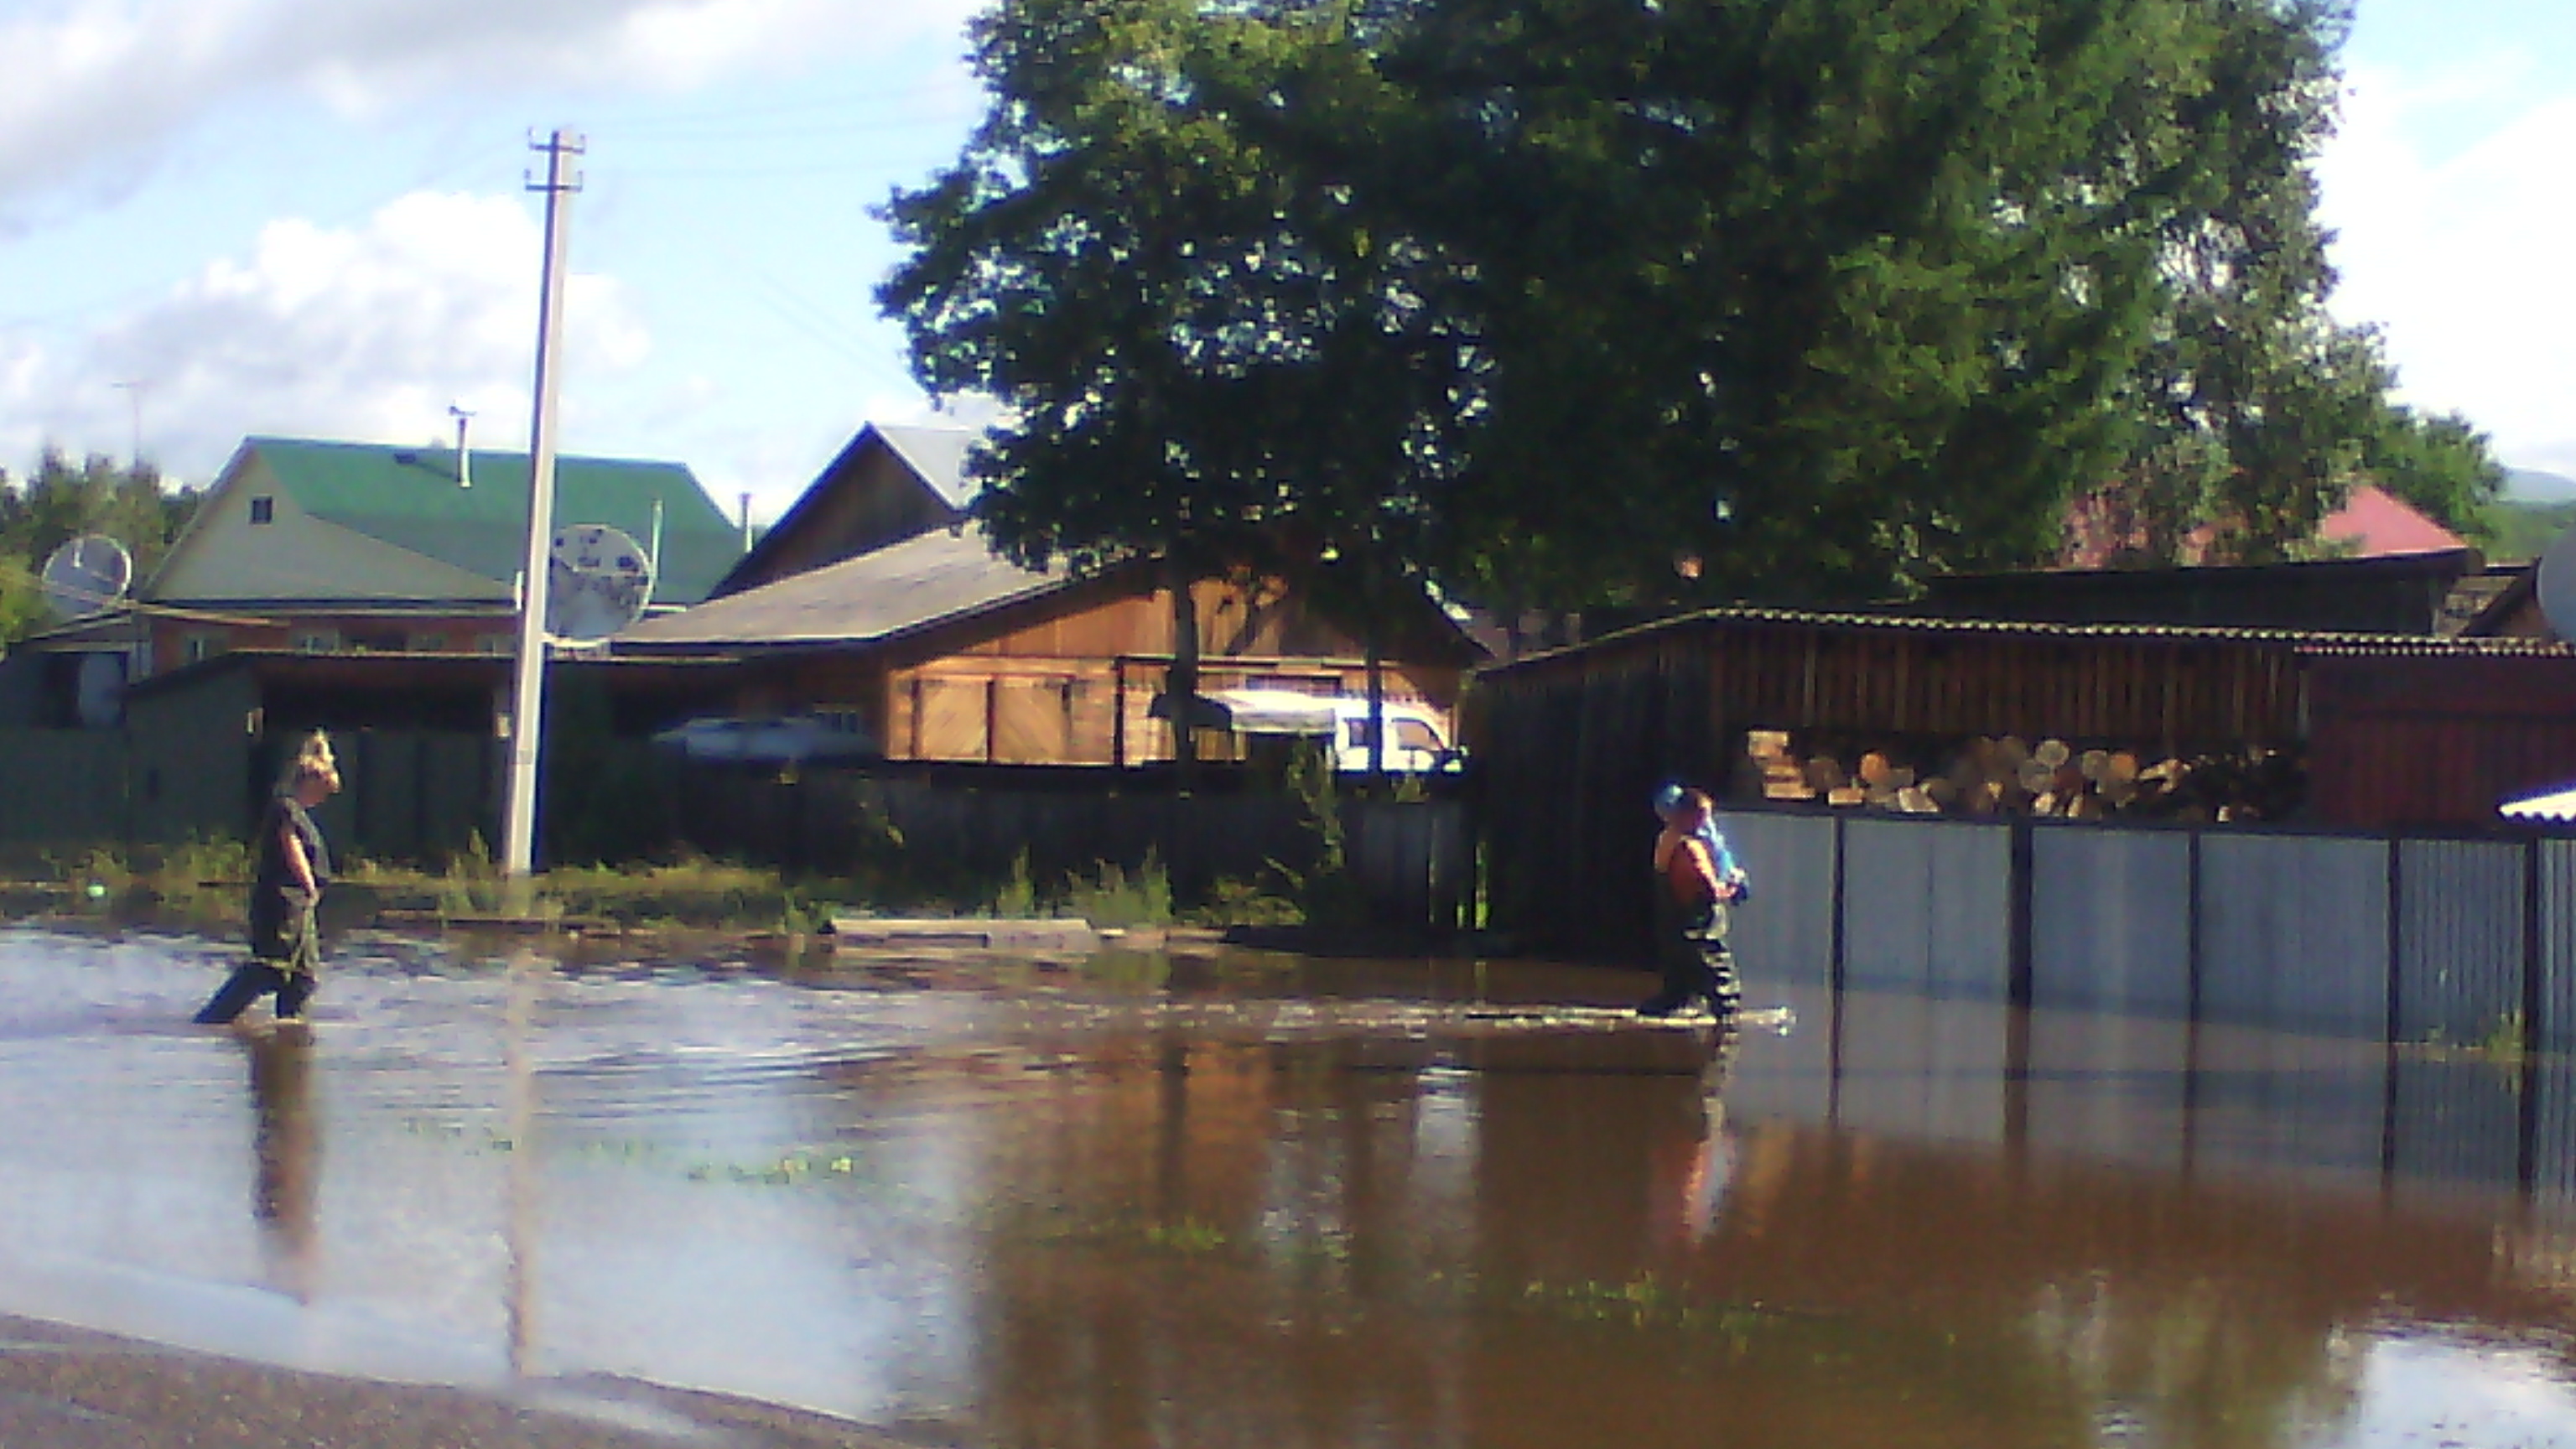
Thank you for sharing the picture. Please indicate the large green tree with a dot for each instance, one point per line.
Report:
(1538, 296)
(2252, 411)
(1154, 255)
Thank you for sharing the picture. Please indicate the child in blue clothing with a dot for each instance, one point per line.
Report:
(1697, 878)
(1669, 799)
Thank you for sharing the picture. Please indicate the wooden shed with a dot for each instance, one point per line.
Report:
(1572, 744)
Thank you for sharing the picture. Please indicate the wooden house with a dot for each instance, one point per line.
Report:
(876, 599)
(889, 484)
(328, 547)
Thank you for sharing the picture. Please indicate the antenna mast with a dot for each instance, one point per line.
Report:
(464, 460)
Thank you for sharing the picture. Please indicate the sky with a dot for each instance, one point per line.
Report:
(311, 217)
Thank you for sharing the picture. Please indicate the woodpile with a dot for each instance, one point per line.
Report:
(2005, 776)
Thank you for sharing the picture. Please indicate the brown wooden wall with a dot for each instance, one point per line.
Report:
(1070, 678)
(869, 499)
(2176, 695)
(2413, 743)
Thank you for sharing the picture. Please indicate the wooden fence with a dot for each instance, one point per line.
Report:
(62, 787)
(1412, 863)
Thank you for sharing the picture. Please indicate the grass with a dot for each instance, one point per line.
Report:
(2506, 1042)
(206, 880)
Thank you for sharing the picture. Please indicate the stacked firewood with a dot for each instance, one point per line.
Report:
(1991, 776)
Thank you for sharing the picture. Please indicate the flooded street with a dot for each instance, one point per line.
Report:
(1235, 1199)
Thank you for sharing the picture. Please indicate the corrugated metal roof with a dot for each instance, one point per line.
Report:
(896, 589)
(2300, 641)
(2557, 805)
(2377, 524)
(410, 498)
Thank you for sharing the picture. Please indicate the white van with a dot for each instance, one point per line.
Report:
(1417, 736)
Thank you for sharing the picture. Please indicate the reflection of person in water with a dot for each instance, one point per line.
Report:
(285, 1184)
(1694, 1166)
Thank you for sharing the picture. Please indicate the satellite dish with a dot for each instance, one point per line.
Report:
(2557, 585)
(87, 576)
(598, 584)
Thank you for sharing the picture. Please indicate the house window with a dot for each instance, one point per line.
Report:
(496, 644)
(263, 509)
(318, 641)
(428, 643)
(197, 648)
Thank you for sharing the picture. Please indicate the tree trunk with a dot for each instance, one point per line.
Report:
(1181, 685)
(1371, 609)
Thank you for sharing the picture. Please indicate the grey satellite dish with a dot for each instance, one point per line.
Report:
(87, 575)
(599, 582)
(2557, 585)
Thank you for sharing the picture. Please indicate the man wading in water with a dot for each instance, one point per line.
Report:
(293, 866)
(1691, 897)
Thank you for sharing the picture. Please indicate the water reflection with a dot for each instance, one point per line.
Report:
(1264, 1202)
(286, 1143)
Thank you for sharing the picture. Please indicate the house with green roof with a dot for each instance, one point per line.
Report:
(363, 547)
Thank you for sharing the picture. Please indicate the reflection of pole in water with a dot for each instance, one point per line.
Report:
(519, 1217)
(286, 1183)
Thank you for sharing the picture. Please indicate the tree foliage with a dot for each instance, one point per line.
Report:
(63, 500)
(1534, 296)
(2253, 412)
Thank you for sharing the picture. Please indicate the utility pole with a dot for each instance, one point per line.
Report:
(528, 694)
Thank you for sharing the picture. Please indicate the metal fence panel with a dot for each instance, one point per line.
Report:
(2294, 932)
(2552, 1080)
(1921, 1069)
(2271, 1101)
(2459, 938)
(2108, 1086)
(2556, 1029)
(2110, 919)
(1926, 906)
(1971, 948)
(1784, 935)
(2456, 1121)
(1786, 1075)
(1887, 904)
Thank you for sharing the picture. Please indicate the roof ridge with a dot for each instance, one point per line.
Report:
(441, 445)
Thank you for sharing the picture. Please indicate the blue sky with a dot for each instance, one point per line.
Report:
(308, 217)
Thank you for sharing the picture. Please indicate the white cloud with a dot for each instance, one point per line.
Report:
(368, 332)
(96, 83)
(2461, 253)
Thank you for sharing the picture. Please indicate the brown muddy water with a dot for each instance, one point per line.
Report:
(1248, 1200)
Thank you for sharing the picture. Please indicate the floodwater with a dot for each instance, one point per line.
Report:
(1255, 1200)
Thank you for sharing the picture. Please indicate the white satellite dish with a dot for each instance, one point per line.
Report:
(2557, 585)
(598, 584)
(87, 576)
